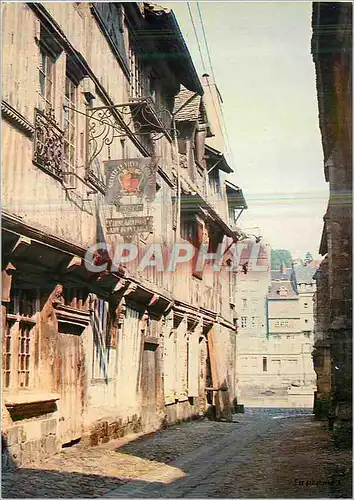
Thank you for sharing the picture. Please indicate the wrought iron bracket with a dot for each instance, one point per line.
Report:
(81, 179)
(137, 117)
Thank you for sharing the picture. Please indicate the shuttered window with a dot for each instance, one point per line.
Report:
(99, 327)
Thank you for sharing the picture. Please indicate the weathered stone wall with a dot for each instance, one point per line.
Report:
(332, 54)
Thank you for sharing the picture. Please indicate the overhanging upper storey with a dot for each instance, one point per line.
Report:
(157, 34)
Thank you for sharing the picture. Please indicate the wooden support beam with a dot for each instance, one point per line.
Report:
(131, 289)
(155, 298)
(73, 264)
(6, 281)
(119, 285)
(21, 245)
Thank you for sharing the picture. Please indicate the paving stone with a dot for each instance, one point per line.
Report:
(257, 457)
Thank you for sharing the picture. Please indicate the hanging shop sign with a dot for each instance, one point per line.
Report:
(130, 226)
(130, 179)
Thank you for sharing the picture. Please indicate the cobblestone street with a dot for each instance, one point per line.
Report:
(256, 456)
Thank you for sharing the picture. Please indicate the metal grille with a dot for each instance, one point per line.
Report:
(48, 143)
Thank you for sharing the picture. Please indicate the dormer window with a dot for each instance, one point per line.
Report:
(283, 292)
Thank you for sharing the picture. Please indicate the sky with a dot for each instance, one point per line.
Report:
(261, 58)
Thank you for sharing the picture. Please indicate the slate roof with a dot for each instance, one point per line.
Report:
(304, 274)
(191, 111)
(275, 286)
(278, 275)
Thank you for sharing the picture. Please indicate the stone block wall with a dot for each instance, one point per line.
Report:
(28, 441)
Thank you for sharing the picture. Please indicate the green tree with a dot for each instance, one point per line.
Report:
(280, 256)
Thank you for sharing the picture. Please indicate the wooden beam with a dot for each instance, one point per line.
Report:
(119, 285)
(155, 298)
(131, 289)
(6, 281)
(74, 263)
(21, 244)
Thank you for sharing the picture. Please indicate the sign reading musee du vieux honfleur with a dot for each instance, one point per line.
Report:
(128, 183)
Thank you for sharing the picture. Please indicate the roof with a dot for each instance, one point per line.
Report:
(279, 275)
(261, 257)
(288, 287)
(187, 105)
(218, 157)
(235, 196)
(304, 274)
(172, 46)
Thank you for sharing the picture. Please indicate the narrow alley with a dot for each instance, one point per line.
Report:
(258, 455)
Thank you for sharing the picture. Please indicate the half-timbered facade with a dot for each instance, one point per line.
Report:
(97, 354)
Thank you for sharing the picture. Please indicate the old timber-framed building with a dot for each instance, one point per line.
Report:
(90, 354)
(332, 42)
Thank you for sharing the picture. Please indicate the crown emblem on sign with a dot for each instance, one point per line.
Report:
(130, 181)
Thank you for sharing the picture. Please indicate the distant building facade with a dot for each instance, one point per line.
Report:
(274, 360)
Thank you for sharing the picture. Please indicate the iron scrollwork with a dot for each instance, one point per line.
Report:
(48, 143)
(137, 117)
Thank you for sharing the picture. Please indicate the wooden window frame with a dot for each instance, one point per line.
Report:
(46, 97)
(100, 347)
(19, 350)
(139, 81)
(70, 130)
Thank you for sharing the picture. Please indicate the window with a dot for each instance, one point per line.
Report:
(19, 339)
(99, 326)
(192, 231)
(254, 321)
(243, 321)
(265, 364)
(7, 356)
(70, 131)
(214, 182)
(152, 85)
(24, 355)
(46, 80)
(244, 303)
(282, 323)
(138, 82)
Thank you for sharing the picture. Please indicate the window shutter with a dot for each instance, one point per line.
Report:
(110, 19)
